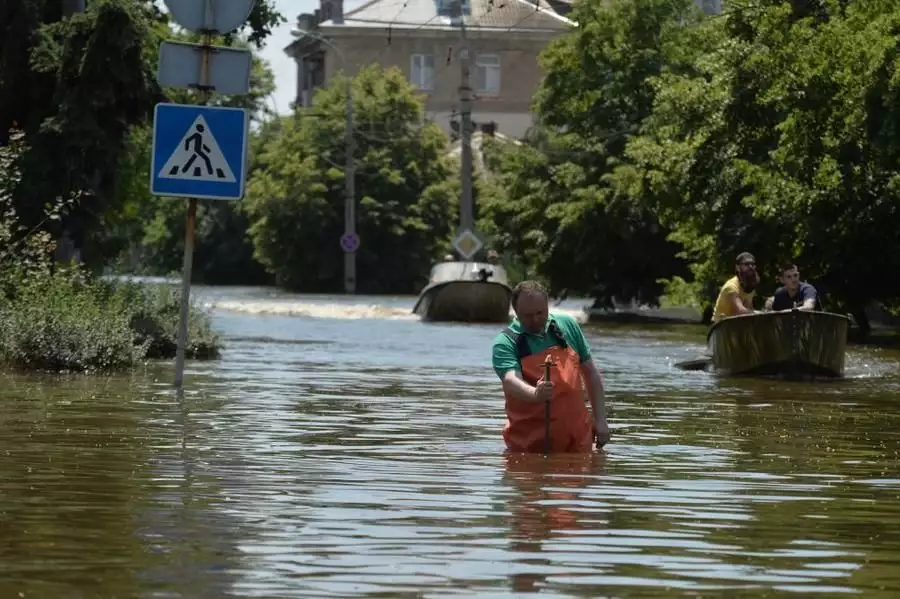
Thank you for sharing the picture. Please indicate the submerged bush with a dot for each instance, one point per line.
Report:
(57, 323)
(58, 317)
(61, 323)
(153, 316)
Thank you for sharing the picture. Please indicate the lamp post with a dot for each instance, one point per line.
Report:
(349, 170)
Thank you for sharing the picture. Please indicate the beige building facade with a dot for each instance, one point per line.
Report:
(421, 38)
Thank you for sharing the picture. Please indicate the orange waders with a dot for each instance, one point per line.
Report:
(571, 429)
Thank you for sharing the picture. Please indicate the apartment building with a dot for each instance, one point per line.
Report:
(422, 38)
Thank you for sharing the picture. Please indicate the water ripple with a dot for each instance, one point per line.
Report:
(363, 458)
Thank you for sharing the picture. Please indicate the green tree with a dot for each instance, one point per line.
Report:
(785, 143)
(77, 86)
(98, 85)
(513, 203)
(405, 206)
(586, 236)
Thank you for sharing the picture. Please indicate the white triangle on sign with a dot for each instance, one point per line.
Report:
(198, 157)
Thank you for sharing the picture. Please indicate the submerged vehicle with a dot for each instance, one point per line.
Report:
(459, 291)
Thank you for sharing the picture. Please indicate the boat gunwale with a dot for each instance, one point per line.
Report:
(822, 317)
(781, 314)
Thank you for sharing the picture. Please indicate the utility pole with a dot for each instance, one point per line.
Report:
(203, 86)
(349, 240)
(350, 196)
(466, 208)
(206, 69)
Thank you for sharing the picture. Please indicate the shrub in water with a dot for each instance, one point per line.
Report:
(56, 317)
(58, 323)
(68, 323)
(153, 316)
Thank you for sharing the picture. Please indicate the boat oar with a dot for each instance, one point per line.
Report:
(548, 362)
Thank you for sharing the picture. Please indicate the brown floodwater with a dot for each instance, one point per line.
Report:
(341, 448)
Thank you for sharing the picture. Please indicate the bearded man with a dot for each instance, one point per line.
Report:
(736, 296)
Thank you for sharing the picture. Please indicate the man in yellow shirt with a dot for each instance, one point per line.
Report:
(736, 295)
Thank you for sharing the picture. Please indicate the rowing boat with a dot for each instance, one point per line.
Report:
(792, 344)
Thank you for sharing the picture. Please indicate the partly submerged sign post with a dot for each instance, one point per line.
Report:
(199, 151)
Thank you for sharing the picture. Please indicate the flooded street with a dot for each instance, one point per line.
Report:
(342, 448)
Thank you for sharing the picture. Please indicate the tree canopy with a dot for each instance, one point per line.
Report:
(666, 141)
(81, 87)
(296, 195)
(670, 139)
(783, 143)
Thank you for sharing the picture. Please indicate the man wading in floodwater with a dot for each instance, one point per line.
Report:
(519, 354)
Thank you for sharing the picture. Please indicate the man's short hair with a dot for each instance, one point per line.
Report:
(527, 287)
(788, 266)
(744, 257)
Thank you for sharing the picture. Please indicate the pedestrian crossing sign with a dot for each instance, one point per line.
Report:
(199, 151)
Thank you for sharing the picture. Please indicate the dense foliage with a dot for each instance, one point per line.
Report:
(55, 315)
(296, 197)
(597, 92)
(771, 128)
(82, 88)
(76, 97)
(785, 143)
(667, 141)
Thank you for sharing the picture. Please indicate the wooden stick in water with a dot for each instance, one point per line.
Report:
(548, 362)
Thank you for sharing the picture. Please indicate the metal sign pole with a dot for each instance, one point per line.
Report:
(228, 71)
(185, 291)
(183, 314)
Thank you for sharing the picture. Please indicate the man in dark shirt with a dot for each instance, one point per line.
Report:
(794, 293)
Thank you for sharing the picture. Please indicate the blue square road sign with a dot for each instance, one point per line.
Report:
(199, 151)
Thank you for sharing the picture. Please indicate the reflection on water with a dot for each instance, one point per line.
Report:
(339, 455)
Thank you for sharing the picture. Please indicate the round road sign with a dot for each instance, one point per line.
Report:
(226, 15)
(350, 242)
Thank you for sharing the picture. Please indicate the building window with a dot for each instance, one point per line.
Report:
(487, 74)
(446, 8)
(421, 71)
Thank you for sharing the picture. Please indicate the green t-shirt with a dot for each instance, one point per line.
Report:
(504, 350)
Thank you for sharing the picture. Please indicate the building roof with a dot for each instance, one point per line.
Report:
(484, 15)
